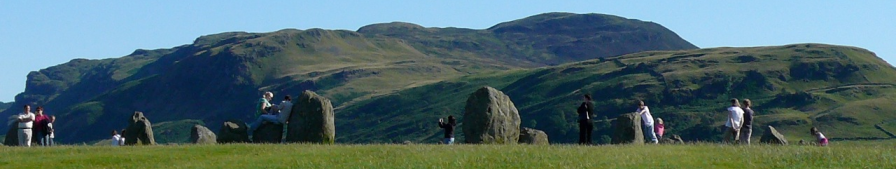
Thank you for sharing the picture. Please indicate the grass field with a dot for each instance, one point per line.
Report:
(864, 154)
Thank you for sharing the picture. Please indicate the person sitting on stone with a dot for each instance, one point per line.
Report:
(449, 129)
(265, 113)
(822, 141)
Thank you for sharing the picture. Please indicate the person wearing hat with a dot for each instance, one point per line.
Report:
(659, 128)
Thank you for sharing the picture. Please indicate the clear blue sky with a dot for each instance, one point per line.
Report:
(39, 34)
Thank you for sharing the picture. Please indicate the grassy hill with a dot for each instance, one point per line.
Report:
(4, 106)
(837, 155)
(844, 91)
(220, 76)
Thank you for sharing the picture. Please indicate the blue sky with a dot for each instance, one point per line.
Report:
(39, 34)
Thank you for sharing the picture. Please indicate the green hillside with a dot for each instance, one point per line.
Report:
(845, 91)
(4, 106)
(220, 76)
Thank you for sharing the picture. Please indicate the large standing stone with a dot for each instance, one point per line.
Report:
(12, 135)
(268, 133)
(627, 129)
(771, 136)
(311, 120)
(139, 131)
(201, 135)
(490, 117)
(533, 136)
(233, 131)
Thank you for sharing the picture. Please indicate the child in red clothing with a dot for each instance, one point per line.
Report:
(659, 128)
(822, 141)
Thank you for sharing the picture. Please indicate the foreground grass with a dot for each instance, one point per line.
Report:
(847, 155)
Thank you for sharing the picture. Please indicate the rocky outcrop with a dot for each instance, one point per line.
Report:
(268, 133)
(672, 139)
(202, 135)
(12, 136)
(627, 130)
(533, 136)
(139, 131)
(772, 136)
(311, 120)
(490, 117)
(233, 131)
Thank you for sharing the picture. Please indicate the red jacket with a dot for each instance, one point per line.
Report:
(40, 122)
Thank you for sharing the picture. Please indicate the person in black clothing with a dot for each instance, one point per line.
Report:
(586, 110)
(449, 129)
(747, 128)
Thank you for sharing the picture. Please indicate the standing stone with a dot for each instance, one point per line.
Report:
(12, 135)
(490, 117)
(139, 130)
(627, 129)
(672, 139)
(268, 133)
(201, 135)
(233, 131)
(311, 120)
(771, 136)
(533, 136)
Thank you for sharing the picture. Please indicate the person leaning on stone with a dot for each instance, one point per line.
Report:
(746, 129)
(585, 111)
(734, 122)
(26, 123)
(449, 129)
(647, 120)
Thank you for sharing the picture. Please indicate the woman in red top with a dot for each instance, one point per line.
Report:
(41, 121)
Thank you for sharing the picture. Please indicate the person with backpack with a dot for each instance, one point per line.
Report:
(585, 111)
(449, 129)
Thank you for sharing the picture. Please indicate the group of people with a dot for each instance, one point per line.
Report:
(34, 127)
(266, 112)
(738, 125)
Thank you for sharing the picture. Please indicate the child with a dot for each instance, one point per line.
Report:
(659, 128)
(822, 141)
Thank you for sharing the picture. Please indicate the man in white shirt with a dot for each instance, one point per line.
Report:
(733, 122)
(26, 122)
(117, 140)
(648, 121)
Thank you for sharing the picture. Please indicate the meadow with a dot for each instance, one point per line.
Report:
(848, 154)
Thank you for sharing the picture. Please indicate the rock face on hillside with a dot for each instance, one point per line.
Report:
(202, 135)
(533, 136)
(311, 120)
(490, 117)
(139, 131)
(12, 136)
(233, 131)
(268, 133)
(771, 136)
(627, 129)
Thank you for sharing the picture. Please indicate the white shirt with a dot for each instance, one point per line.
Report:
(285, 110)
(735, 114)
(50, 125)
(29, 120)
(645, 116)
(820, 136)
(117, 140)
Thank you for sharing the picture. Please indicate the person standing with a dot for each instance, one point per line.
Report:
(822, 141)
(285, 108)
(51, 136)
(117, 140)
(26, 123)
(746, 130)
(647, 120)
(585, 111)
(449, 129)
(40, 126)
(659, 129)
(733, 122)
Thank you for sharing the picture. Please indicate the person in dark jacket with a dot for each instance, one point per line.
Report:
(586, 110)
(449, 129)
(746, 131)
